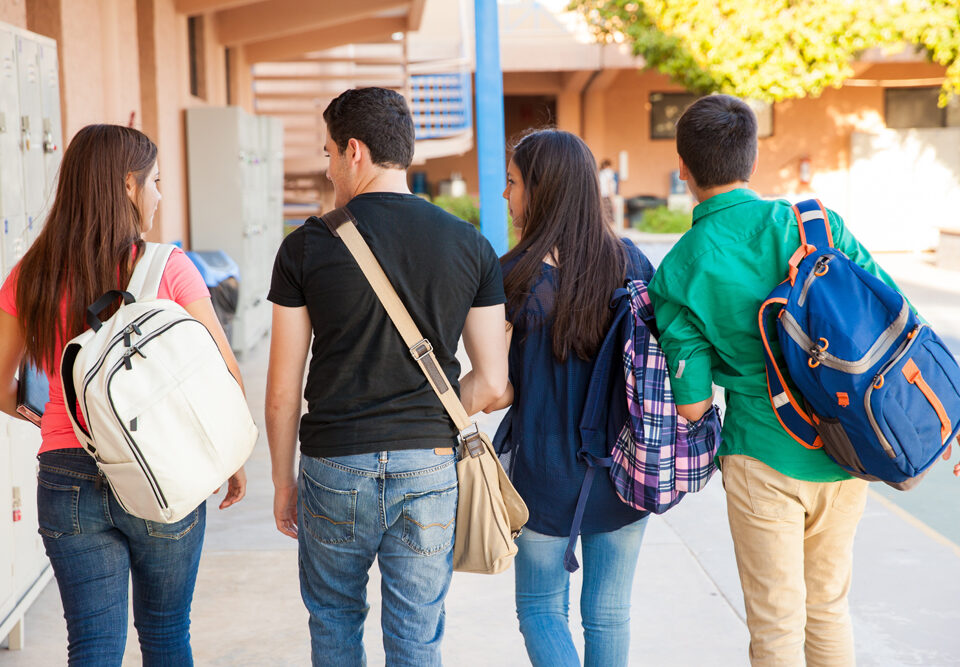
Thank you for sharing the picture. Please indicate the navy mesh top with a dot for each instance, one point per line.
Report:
(539, 436)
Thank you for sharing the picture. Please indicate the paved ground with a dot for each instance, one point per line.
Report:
(687, 609)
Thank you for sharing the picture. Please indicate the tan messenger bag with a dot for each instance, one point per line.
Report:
(490, 512)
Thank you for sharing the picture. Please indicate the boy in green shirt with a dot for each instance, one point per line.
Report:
(793, 512)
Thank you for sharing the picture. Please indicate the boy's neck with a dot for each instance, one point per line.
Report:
(703, 194)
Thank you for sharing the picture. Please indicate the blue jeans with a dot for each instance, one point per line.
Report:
(543, 596)
(397, 506)
(95, 546)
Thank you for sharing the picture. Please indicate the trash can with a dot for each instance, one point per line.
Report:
(636, 206)
(222, 277)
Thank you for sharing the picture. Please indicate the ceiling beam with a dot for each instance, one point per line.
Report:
(415, 15)
(191, 7)
(370, 30)
(276, 18)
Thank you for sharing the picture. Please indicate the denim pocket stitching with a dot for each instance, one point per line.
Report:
(152, 527)
(88, 477)
(409, 534)
(422, 471)
(74, 509)
(337, 466)
(347, 528)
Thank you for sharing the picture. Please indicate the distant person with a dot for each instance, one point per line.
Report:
(609, 188)
(559, 280)
(793, 512)
(377, 476)
(106, 198)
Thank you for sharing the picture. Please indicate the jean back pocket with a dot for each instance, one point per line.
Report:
(428, 520)
(329, 515)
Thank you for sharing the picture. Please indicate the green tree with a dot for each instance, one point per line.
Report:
(774, 49)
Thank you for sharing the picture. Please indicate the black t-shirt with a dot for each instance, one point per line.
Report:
(364, 392)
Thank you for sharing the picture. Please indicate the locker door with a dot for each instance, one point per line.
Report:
(6, 528)
(13, 234)
(31, 123)
(52, 137)
(11, 177)
(28, 552)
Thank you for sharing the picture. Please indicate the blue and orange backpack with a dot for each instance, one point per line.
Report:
(878, 390)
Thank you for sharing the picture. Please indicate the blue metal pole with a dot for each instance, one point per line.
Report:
(491, 158)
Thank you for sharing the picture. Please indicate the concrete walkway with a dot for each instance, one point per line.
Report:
(688, 609)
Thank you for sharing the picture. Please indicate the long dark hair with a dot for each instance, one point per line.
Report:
(563, 214)
(86, 243)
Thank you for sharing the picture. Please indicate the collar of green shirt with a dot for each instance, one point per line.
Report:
(722, 201)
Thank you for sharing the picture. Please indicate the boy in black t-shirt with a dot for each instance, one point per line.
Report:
(377, 468)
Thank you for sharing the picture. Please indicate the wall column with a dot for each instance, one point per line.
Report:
(595, 111)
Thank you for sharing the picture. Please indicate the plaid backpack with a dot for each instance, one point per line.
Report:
(630, 423)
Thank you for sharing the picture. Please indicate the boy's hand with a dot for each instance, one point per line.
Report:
(285, 509)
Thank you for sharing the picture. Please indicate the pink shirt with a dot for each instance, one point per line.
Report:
(181, 282)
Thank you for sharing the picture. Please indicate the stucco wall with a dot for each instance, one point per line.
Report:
(615, 112)
(14, 12)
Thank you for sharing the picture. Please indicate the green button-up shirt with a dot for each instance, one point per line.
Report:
(707, 293)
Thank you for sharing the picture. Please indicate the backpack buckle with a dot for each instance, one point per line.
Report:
(470, 438)
(421, 349)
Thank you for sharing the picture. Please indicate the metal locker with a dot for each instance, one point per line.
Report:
(6, 532)
(28, 556)
(11, 175)
(31, 123)
(13, 240)
(52, 130)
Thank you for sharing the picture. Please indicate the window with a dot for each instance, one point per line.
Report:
(764, 112)
(917, 107)
(198, 84)
(666, 108)
(228, 71)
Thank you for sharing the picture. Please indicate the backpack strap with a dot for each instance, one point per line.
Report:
(792, 417)
(814, 232)
(145, 281)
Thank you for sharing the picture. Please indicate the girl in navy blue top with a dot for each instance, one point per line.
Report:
(558, 282)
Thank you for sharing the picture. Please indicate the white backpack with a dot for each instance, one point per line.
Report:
(165, 420)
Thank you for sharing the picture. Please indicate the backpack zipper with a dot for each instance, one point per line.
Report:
(904, 348)
(103, 357)
(154, 485)
(822, 262)
(862, 365)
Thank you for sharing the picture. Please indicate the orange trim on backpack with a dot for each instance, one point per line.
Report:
(914, 377)
(843, 400)
(786, 389)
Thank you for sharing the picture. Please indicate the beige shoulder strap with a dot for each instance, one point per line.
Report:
(341, 223)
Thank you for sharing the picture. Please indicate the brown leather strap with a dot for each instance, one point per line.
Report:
(342, 223)
(335, 218)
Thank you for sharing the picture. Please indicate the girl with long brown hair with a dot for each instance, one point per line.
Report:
(558, 282)
(105, 202)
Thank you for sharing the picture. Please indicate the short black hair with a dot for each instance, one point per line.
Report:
(378, 117)
(717, 140)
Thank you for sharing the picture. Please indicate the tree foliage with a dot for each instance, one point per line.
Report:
(774, 49)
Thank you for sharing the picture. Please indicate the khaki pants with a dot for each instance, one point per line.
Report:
(794, 546)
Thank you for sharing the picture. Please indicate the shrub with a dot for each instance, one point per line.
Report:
(464, 207)
(662, 220)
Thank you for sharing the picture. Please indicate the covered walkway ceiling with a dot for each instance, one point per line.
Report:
(278, 38)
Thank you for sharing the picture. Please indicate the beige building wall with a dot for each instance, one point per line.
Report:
(14, 12)
(610, 109)
(127, 62)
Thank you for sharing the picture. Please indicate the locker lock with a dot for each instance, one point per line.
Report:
(25, 132)
(17, 504)
(49, 145)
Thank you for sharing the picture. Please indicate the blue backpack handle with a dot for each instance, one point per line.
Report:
(815, 234)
